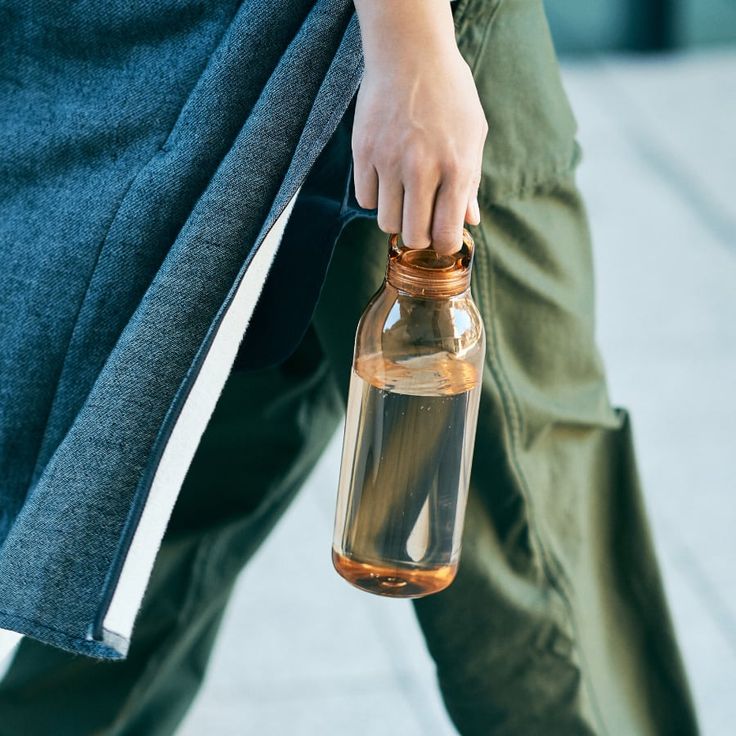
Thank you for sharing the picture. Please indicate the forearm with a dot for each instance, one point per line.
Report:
(393, 29)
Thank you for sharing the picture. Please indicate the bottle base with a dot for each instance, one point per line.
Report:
(394, 581)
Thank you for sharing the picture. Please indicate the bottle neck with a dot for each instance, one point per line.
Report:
(430, 287)
(426, 273)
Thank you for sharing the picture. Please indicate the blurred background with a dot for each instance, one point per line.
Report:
(653, 85)
(595, 26)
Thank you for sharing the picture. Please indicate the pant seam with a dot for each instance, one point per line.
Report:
(531, 186)
(467, 15)
(548, 565)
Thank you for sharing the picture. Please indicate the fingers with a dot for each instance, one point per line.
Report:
(420, 189)
(472, 214)
(418, 201)
(449, 215)
(385, 193)
(366, 184)
(390, 203)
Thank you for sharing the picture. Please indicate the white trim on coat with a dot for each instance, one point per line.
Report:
(185, 437)
(9, 640)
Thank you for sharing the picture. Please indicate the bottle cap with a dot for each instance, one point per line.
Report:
(425, 272)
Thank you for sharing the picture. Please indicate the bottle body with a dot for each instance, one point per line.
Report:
(408, 442)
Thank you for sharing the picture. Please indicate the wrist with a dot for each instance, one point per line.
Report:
(396, 32)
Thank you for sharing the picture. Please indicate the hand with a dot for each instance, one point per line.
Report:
(419, 127)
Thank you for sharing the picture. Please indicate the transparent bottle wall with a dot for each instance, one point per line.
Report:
(405, 472)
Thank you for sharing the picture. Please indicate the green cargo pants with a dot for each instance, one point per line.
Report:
(556, 623)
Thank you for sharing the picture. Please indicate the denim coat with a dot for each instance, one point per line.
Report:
(151, 155)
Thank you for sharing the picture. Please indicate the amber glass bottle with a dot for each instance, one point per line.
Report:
(410, 426)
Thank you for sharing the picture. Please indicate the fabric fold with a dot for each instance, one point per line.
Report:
(158, 326)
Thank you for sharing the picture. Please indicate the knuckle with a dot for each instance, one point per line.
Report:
(457, 182)
(414, 167)
(468, 173)
(417, 153)
(360, 154)
(361, 167)
(452, 165)
(362, 145)
(459, 170)
(388, 159)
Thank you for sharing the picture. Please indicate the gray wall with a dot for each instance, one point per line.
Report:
(706, 22)
(585, 26)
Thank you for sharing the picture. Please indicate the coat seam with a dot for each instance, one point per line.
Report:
(77, 314)
(160, 149)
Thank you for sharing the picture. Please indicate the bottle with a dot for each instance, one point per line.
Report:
(410, 426)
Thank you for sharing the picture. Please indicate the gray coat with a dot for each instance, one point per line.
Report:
(150, 157)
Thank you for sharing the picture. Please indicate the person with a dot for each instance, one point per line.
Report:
(557, 622)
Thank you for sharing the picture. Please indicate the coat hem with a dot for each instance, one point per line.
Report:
(25, 626)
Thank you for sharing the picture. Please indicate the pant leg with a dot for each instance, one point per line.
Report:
(267, 431)
(557, 621)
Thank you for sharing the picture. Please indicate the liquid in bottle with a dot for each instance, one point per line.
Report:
(410, 427)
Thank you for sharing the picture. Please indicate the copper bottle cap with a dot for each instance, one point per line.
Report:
(425, 272)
